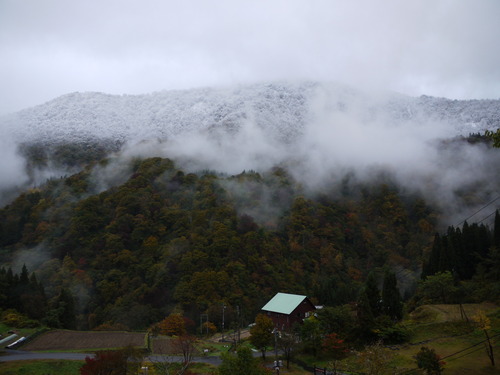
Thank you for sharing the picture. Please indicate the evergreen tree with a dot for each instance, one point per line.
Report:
(32, 299)
(483, 240)
(432, 265)
(9, 277)
(35, 301)
(465, 259)
(392, 304)
(66, 309)
(366, 321)
(448, 250)
(373, 294)
(13, 292)
(496, 231)
(24, 278)
(4, 287)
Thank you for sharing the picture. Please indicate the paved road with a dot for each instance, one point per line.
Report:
(19, 355)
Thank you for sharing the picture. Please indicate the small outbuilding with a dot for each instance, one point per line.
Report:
(287, 309)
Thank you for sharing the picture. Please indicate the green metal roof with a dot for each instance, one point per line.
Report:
(283, 303)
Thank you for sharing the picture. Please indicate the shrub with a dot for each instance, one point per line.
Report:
(15, 319)
(395, 334)
(429, 361)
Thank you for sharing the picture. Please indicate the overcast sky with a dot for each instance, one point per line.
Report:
(48, 48)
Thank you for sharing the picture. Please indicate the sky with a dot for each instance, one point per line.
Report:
(447, 48)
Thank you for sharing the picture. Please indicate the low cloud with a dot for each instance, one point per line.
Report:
(32, 258)
(441, 48)
(12, 166)
(339, 132)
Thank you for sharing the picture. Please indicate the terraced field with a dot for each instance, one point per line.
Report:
(75, 340)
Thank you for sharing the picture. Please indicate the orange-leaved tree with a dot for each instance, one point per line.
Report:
(172, 325)
(484, 324)
(334, 346)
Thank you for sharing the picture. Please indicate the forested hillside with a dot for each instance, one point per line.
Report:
(163, 240)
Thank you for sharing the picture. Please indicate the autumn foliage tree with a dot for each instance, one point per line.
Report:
(208, 327)
(106, 362)
(483, 323)
(333, 346)
(161, 238)
(113, 362)
(261, 334)
(172, 325)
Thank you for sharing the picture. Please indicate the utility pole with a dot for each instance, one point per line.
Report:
(223, 309)
(277, 362)
(238, 315)
(205, 316)
(275, 331)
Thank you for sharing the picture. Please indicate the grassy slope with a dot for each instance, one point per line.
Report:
(40, 367)
(442, 328)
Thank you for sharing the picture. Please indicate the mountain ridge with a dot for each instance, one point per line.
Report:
(282, 110)
(320, 131)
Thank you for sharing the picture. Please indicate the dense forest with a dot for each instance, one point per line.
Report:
(126, 255)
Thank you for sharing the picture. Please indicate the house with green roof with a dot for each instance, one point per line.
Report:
(287, 309)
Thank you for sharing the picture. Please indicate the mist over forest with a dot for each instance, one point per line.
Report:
(140, 205)
(168, 168)
(320, 132)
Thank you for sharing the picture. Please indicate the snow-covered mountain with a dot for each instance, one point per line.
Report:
(281, 110)
(319, 132)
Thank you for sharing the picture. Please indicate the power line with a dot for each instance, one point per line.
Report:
(460, 351)
(476, 344)
(409, 371)
(487, 216)
(466, 354)
(482, 208)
